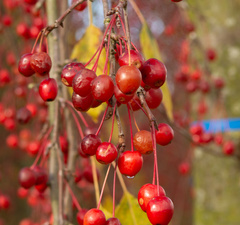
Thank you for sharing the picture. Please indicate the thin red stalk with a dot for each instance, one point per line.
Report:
(109, 35)
(140, 107)
(34, 46)
(83, 119)
(123, 26)
(114, 188)
(47, 45)
(155, 154)
(101, 46)
(75, 201)
(92, 57)
(77, 122)
(41, 41)
(110, 138)
(42, 147)
(40, 152)
(79, 113)
(130, 122)
(154, 173)
(125, 44)
(100, 126)
(103, 187)
(134, 47)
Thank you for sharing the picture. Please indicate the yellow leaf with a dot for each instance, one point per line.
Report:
(95, 112)
(87, 46)
(129, 212)
(150, 49)
(83, 52)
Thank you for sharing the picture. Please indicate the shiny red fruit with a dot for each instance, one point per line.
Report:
(154, 73)
(41, 63)
(160, 210)
(69, 71)
(142, 142)
(102, 88)
(81, 6)
(81, 83)
(135, 103)
(136, 59)
(90, 144)
(24, 66)
(128, 79)
(154, 98)
(121, 98)
(48, 89)
(82, 103)
(164, 134)
(94, 217)
(130, 163)
(113, 221)
(27, 177)
(106, 153)
(148, 192)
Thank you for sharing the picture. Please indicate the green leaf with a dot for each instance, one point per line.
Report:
(150, 49)
(129, 212)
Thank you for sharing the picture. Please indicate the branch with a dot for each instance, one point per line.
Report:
(141, 95)
(60, 20)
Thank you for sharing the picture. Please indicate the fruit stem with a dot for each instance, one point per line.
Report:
(76, 121)
(92, 56)
(130, 122)
(83, 119)
(90, 14)
(94, 68)
(114, 187)
(100, 126)
(34, 46)
(155, 154)
(95, 179)
(42, 147)
(134, 119)
(103, 187)
(75, 201)
(110, 138)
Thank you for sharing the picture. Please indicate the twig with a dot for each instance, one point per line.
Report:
(60, 20)
(151, 117)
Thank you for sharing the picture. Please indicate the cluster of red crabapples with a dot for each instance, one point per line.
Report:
(39, 63)
(90, 90)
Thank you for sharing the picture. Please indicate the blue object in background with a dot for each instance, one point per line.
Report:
(221, 125)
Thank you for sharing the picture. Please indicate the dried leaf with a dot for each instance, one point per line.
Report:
(150, 49)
